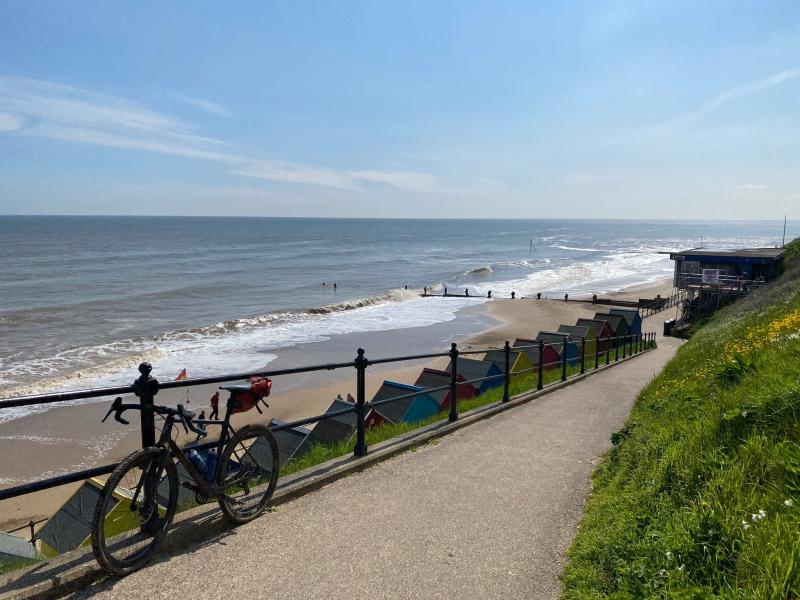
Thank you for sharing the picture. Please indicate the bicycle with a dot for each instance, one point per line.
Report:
(242, 481)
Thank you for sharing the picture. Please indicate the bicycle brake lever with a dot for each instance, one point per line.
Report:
(116, 408)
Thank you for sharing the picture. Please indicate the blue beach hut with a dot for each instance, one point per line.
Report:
(562, 342)
(633, 318)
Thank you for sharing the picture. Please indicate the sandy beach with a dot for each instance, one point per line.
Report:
(69, 438)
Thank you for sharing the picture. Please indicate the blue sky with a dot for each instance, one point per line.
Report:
(440, 109)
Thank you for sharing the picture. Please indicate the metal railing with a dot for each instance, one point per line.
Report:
(146, 387)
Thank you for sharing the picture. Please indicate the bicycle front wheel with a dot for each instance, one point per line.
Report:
(134, 511)
(248, 473)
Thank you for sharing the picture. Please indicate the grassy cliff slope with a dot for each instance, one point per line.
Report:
(700, 495)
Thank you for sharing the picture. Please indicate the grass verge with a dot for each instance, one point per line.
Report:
(700, 495)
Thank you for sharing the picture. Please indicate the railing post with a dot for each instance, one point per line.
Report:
(608, 350)
(453, 382)
(145, 388)
(616, 348)
(583, 355)
(596, 353)
(625, 341)
(507, 380)
(564, 360)
(360, 364)
(540, 382)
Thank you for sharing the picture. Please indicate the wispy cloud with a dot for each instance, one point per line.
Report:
(9, 123)
(749, 188)
(336, 178)
(729, 95)
(53, 111)
(207, 106)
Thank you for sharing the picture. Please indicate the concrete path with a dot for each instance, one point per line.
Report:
(487, 512)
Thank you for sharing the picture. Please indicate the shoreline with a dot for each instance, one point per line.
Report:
(79, 446)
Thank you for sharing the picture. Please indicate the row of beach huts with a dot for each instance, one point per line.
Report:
(598, 334)
(69, 528)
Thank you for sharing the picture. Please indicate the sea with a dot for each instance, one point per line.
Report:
(83, 300)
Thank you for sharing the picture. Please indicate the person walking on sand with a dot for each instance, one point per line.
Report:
(214, 406)
(334, 287)
(201, 426)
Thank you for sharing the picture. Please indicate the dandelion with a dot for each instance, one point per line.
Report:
(788, 503)
(759, 516)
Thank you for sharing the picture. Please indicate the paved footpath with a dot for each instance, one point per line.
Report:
(488, 512)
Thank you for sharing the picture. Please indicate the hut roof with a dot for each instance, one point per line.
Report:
(629, 314)
(556, 340)
(498, 357)
(15, 549)
(615, 321)
(289, 440)
(431, 378)
(531, 353)
(595, 325)
(576, 331)
(394, 411)
(72, 524)
(336, 428)
(472, 368)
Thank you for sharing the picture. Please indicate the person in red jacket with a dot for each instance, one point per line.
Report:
(214, 406)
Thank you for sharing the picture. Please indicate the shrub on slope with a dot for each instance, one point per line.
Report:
(700, 495)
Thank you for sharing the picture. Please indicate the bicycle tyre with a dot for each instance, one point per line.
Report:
(261, 471)
(109, 532)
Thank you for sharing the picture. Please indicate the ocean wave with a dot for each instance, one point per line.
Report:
(560, 247)
(481, 271)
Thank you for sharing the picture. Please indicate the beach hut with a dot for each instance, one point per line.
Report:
(406, 410)
(633, 318)
(16, 551)
(563, 344)
(602, 331)
(289, 440)
(432, 378)
(330, 431)
(519, 362)
(71, 526)
(550, 358)
(471, 368)
(579, 333)
(617, 323)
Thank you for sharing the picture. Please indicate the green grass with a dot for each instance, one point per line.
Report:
(700, 495)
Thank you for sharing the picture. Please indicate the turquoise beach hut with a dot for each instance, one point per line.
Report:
(408, 409)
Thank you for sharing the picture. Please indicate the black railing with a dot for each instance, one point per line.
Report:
(145, 387)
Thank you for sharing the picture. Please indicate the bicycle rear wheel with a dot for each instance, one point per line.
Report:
(128, 523)
(248, 473)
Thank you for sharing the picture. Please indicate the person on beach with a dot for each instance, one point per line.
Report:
(466, 292)
(214, 406)
(339, 397)
(445, 291)
(334, 287)
(350, 398)
(513, 295)
(566, 297)
(489, 295)
(538, 295)
(425, 291)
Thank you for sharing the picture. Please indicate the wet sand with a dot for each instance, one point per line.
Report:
(70, 438)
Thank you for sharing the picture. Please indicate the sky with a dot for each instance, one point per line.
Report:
(406, 109)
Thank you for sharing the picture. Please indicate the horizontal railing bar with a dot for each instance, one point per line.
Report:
(309, 420)
(43, 484)
(381, 361)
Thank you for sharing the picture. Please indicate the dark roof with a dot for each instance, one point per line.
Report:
(531, 353)
(576, 331)
(431, 378)
(498, 357)
(770, 253)
(472, 368)
(595, 325)
(336, 428)
(615, 321)
(394, 411)
(556, 340)
(289, 440)
(629, 314)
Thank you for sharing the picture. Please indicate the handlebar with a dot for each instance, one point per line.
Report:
(185, 417)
